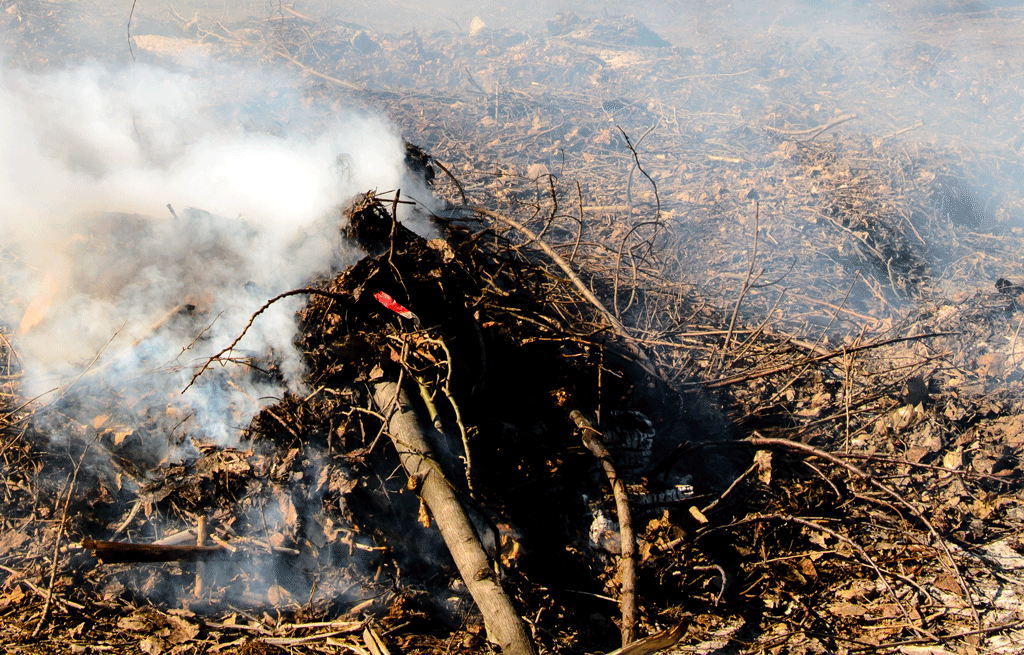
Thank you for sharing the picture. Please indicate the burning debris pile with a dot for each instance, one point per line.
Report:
(478, 385)
(476, 452)
(560, 409)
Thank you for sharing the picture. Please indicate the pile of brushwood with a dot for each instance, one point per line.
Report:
(485, 456)
(534, 438)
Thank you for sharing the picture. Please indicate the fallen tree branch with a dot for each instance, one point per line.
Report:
(500, 617)
(627, 558)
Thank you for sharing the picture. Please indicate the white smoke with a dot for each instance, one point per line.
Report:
(116, 299)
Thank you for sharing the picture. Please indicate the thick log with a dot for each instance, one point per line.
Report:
(504, 626)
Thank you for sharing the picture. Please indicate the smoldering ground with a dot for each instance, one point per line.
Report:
(711, 95)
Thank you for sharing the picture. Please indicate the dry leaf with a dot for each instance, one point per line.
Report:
(818, 539)
(424, 514)
(808, 570)
(763, 460)
(11, 541)
(954, 459)
(847, 609)
(151, 645)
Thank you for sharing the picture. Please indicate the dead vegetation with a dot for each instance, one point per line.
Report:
(821, 453)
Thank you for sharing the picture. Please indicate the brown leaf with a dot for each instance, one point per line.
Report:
(13, 597)
(991, 365)
(424, 514)
(808, 570)
(847, 609)
(858, 590)
(11, 541)
(947, 582)
(341, 483)
(763, 460)
(289, 515)
(181, 630)
(141, 621)
(954, 459)
(151, 645)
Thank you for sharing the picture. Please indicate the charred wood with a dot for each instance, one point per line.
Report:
(116, 552)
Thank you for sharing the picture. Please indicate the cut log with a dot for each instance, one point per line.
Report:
(503, 623)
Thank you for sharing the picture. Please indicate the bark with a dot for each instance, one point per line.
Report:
(503, 623)
(627, 558)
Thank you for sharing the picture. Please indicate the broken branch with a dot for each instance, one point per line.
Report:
(503, 623)
(627, 559)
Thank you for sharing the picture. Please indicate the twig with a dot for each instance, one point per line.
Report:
(90, 365)
(721, 572)
(782, 390)
(812, 132)
(447, 390)
(10, 348)
(128, 29)
(636, 162)
(917, 124)
(746, 286)
(618, 267)
(347, 85)
(281, 296)
(735, 483)
(579, 233)
(749, 342)
(627, 559)
(562, 264)
(56, 543)
(454, 179)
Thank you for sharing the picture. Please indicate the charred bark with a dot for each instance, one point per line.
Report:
(116, 552)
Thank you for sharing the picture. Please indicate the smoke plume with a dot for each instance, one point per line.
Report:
(146, 218)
